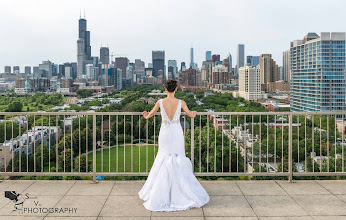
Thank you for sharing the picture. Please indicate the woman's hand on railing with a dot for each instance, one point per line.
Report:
(193, 114)
(145, 114)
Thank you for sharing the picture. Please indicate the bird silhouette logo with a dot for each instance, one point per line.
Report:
(18, 199)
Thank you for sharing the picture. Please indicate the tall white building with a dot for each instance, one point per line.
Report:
(250, 82)
(286, 66)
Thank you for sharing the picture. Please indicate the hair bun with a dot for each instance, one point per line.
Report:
(171, 85)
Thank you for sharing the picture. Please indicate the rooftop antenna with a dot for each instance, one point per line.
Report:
(80, 13)
(84, 14)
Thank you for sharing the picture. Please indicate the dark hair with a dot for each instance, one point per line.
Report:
(171, 85)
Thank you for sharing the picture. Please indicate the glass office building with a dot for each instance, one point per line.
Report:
(318, 73)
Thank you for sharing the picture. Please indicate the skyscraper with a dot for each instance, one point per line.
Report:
(220, 75)
(240, 55)
(188, 77)
(108, 75)
(192, 64)
(270, 71)
(286, 66)
(255, 60)
(249, 82)
(173, 63)
(122, 63)
(83, 47)
(81, 57)
(139, 69)
(85, 34)
(7, 69)
(171, 72)
(318, 72)
(182, 66)
(215, 57)
(249, 60)
(46, 68)
(104, 55)
(35, 70)
(208, 55)
(27, 70)
(230, 63)
(16, 69)
(252, 60)
(158, 58)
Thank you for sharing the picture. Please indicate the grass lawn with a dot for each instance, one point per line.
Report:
(118, 161)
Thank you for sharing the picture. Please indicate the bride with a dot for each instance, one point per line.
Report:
(171, 184)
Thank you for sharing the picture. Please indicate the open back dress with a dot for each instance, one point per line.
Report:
(171, 184)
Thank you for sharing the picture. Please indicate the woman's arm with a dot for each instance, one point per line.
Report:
(189, 113)
(147, 115)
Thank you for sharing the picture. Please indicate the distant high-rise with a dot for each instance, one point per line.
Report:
(286, 66)
(46, 69)
(318, 72)
(220, 75)
(104, 55)
(249, 60)
(108, 75)
(252, 60)
(188, 77)
(255, 60)
(182, 66)
(249, 82)
(192, 64)
(74, 70)
(16, 69)
(173, 63)
(81, 57)
(230, 62)
(139, 65)
(208, 55)
(122, 63)
(270, 71)
(35, 70)
(83, 47)
(61, 70)
(85, 34)
(171, 72)
(158, 58)
(90, 72)
(215, 58)
(27, 70)
(7, 69)
(240, 55)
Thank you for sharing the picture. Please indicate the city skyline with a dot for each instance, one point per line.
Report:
(48, 36)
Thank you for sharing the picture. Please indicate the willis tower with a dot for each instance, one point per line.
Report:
(83, 47)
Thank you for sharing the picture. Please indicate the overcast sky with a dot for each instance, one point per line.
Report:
(33, 30)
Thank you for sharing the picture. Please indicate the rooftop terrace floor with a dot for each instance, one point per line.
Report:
(228, 200)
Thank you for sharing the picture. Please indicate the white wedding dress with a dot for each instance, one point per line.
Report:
(171, 184)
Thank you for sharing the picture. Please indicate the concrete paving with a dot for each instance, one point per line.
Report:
(106, 200)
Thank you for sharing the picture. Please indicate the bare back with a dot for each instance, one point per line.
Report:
(170, 106)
